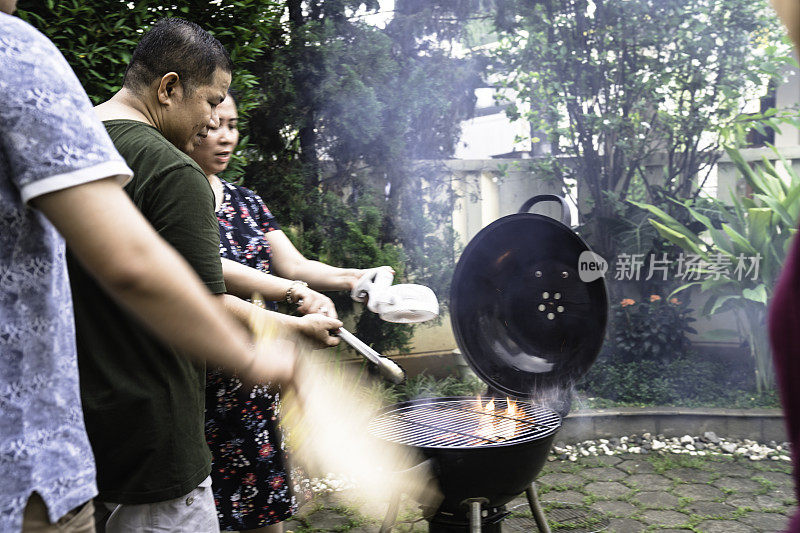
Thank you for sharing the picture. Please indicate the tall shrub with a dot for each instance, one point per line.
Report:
(753, 234)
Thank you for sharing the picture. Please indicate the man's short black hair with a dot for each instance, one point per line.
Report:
(176, 45)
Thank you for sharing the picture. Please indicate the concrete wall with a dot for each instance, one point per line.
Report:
(762, 425)
(493, 188)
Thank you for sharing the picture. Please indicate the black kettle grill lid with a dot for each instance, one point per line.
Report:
(522, 316)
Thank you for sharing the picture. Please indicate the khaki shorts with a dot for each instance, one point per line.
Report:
(35, 519)
(191, 513)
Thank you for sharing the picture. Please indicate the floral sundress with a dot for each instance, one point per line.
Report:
(249, 472)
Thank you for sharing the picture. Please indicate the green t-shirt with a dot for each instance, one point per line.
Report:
(143, 402)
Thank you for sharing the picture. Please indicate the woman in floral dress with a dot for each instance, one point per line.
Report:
(250, 478)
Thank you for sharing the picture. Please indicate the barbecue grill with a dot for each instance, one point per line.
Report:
(529, 327)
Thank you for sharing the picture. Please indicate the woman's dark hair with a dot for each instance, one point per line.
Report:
(176, 45)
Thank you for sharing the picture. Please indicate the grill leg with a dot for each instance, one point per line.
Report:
(391, 514)
(475, 517)
(536, 509)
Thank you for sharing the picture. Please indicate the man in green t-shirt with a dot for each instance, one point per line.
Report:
(143, 402)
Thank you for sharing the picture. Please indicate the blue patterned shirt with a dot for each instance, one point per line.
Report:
(50, 140)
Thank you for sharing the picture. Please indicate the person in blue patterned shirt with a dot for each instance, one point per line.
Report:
(60, 181)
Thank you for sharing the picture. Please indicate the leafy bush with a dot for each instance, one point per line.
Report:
(426, 386)
(651, 330)
(686, 381)
(758, 228)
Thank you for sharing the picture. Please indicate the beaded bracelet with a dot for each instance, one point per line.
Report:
(290, 290)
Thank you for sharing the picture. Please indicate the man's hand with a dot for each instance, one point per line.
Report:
(318, 328)
(310, 301)
(275, 362)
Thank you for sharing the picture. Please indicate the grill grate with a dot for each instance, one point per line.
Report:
(459, 423)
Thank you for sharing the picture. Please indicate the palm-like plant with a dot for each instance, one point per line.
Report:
(756, 228)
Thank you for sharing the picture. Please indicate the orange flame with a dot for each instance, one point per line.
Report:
(511, 410)
(500, 427)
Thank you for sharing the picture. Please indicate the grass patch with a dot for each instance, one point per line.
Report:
(765, 485)
(670, 461)
(773, 466)
(684, 501)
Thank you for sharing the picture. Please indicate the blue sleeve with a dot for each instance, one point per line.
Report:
(49, 133)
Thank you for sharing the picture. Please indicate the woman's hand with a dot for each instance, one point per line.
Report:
(366, 277)
(310, 301)
(318, 328)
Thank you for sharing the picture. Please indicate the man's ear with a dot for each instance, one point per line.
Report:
(169, 88)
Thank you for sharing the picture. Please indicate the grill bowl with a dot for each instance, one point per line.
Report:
(468, 467)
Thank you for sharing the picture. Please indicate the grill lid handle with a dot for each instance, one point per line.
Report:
(566, 214)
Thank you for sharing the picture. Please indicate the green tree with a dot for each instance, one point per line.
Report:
(613, 85)
(336, 112)
(97, 37)
(348, 109)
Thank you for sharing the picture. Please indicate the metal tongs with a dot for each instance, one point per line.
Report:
(388, 368)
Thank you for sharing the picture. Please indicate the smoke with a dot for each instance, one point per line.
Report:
(561, 399)
(326, 417)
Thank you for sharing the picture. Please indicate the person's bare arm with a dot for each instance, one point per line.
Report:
(288, 262)
(314, 327)
(243, 281)
(115, 243)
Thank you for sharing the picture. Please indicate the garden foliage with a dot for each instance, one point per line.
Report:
(335, 110)
(756, 228)
(651, 330)
(688, 381)
(606, 86)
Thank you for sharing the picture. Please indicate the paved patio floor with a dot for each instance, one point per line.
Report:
(622, 493)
